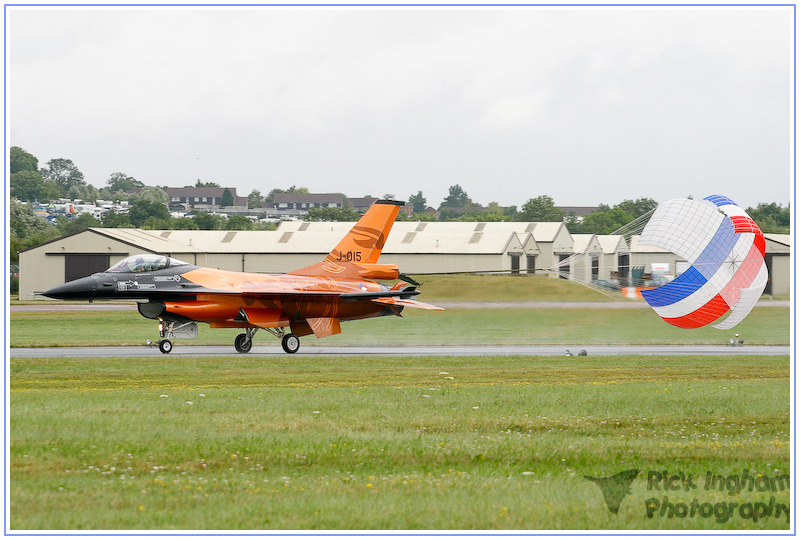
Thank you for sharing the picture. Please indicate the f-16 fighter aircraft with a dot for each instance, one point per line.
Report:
(312, 300)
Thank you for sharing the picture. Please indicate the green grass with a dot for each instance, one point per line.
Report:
(386, 443)
(509, 326)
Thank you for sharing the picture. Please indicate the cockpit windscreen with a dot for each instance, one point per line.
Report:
(145, 263)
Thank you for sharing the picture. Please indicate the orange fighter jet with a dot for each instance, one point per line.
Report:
(312, 300)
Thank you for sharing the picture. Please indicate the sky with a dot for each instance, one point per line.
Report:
(585, 105)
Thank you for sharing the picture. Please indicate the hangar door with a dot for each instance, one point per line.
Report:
(78, 265)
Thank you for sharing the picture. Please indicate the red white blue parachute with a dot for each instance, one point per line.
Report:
(725, 248)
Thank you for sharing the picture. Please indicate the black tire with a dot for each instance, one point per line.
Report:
(290, 343)
(165, 346)
(242, 343)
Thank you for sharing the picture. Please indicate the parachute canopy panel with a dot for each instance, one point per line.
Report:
(725, 248)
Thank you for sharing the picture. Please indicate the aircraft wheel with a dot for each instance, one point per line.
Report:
(165, 346)
(290, 343)
(242, 343)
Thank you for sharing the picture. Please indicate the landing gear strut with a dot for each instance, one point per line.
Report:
(244, 342)
(290, 342)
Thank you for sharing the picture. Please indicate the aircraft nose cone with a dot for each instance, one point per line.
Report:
(79, 289)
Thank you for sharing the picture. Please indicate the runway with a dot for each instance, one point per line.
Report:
(505, 350)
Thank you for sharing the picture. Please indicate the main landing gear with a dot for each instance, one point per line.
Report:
(244, 342)
(290, 343)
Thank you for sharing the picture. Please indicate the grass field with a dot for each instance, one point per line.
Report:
(247, 442)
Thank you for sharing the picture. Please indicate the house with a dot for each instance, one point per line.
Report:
(303, 202)
(361, 204)
(202, 197)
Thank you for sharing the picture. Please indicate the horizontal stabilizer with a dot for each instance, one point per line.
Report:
(406, 302)
(369, 295)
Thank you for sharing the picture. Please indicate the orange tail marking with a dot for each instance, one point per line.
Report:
(362, 245)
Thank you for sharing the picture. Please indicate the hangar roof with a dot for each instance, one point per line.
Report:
(586, 243)
(612, 243)
(636, 247)
(320, 237)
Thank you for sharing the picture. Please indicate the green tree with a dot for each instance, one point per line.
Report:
(457, 198)
(183, 224)
(227, 198)
(77, 224)
(209, 222)
(64, 173)
(238, 222)
(142, 209)
(150, 193)
(156, 223)
(638, 207)
(332, 214)
(541, 208)
(418, 202)
(30, 186)
(85, 192)
(267, 226)
(200, 183)
(602, 222)
(116, 221)
(771, 218)
(271, 196)
(119, 181)
(255, 199)
(24, 223)
(19, 160)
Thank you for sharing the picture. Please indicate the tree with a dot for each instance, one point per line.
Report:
(239, 222)
(457, 198)
(227, 198)
(638, 207)
(29, 185)
(209, 222)
(541, 208)
(293, 189)
(142, 209)
(19, 160)
(200, 183)
(418, 202)
(602, 222)
(119, 181)
(64, 173)
(255, 199)
(771, 218)
(153, 194)
(183, 224)
(24, 223)
(85, 192)
(76, 224)
(116, 221)
(332, 214)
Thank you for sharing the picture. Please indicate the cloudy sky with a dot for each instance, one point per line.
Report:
(586, 105)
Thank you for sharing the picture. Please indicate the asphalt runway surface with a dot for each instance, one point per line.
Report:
(458, 350)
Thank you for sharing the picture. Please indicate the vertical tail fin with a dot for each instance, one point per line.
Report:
(356, 255)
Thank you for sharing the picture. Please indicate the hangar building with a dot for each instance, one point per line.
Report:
(416, 247)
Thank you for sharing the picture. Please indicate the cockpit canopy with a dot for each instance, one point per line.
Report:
(145, 262)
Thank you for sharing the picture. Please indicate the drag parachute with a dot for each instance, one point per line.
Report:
(725, 248)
